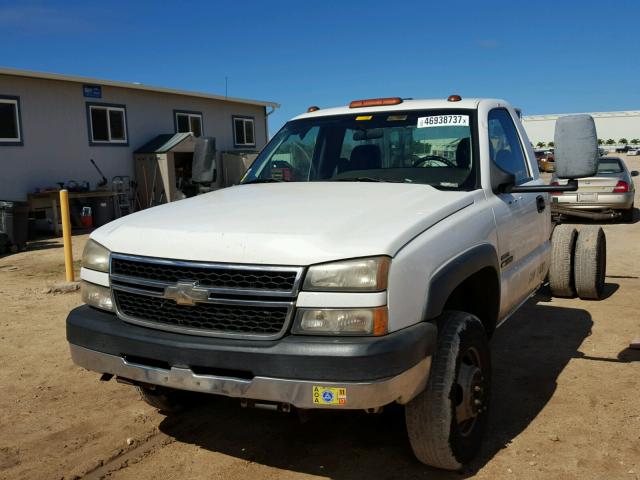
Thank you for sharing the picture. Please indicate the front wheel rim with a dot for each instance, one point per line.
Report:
(469, 391)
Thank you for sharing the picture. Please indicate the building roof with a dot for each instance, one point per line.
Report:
(164, 143)
(131, 86)
(555, 116)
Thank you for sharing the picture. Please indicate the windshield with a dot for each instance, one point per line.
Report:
(609, 165)
(434, 147)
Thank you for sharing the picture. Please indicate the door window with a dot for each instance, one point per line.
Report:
(505, 146)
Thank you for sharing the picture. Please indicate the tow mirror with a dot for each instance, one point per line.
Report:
(576, 147)
(576, 154)
(634, 173)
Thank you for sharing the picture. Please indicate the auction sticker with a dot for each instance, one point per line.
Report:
(329, 395)
(443, 121)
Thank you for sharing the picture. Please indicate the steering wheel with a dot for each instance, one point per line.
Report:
(432, 161)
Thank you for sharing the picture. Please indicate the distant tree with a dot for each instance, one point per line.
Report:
(550, 144)
(610, 141)
(623, 141)
(600, 141)
(635, 141)
(541, 144)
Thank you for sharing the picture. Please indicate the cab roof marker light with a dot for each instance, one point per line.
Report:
(375, 102)
(313, 108)
(454, 98)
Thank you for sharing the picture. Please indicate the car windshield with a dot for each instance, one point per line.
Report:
(609, 165)
(434, 147)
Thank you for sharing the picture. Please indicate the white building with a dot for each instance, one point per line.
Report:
(614, 125)
(52, 124)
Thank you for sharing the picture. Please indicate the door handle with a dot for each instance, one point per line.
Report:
(540, 203)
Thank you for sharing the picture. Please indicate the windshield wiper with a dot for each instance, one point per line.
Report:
(359, 179)
(369, 179)
(262, 180)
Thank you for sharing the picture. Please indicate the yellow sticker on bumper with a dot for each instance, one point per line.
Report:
(329, 395)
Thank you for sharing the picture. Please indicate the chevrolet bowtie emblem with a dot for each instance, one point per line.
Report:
(186, 293)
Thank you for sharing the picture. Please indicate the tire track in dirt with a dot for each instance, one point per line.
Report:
(187, 423)
(128, 457)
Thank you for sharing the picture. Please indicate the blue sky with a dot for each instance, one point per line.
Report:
(545, 57)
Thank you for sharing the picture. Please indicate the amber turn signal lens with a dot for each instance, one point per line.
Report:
(454, 98)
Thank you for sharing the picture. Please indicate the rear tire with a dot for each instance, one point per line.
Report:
(563, 244)
(590, 263)
(446, 422)
(165, 399)
(627, 215)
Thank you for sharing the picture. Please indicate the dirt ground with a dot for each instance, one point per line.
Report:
(566, 401)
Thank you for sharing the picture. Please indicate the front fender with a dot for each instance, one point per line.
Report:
(445, 280)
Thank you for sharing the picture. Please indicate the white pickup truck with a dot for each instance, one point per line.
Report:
(366, 258)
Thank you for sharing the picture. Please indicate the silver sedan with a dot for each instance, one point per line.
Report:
(610, 192)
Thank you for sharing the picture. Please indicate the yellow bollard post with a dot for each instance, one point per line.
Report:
(66, 235)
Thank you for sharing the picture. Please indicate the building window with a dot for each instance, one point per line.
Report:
(107, 124)
(243, 132)
(10, 131)
(188, 122)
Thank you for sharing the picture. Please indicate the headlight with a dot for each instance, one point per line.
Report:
(352, 321)
(359, 275)
(96, 295)
(95, 256)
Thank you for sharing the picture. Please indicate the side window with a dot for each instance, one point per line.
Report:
(188, 122)
(10, 133)
(243, 132)
(107, 124)
(506, 148)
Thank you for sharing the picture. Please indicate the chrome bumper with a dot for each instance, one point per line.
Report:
(299, 393)
(621, 201)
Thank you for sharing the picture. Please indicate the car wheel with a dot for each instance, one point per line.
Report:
(563, 244)
(590, 263)
(446, 422)
(627, 215)
(165, 399)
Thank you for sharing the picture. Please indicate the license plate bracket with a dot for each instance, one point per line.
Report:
(587, 197)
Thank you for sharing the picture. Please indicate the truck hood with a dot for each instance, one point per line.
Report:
(284, 223)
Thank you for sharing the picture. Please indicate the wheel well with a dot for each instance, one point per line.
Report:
(478, 294)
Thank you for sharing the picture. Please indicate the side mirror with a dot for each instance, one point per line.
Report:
(634, 173)
(576, 147)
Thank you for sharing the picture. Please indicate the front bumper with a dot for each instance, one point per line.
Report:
(366, 372)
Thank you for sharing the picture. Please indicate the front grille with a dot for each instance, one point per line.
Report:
(210, 299)
(243, 278)
(207, 317)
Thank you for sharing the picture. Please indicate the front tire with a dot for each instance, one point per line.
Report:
(446, 422)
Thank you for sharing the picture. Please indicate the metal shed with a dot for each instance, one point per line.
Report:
(156, 163)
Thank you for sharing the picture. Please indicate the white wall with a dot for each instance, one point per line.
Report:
(616, 125)
(56, 142)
